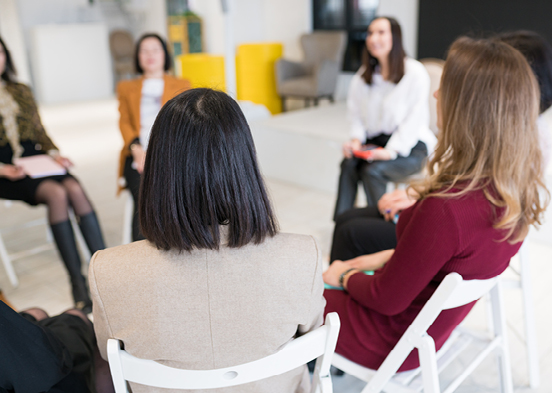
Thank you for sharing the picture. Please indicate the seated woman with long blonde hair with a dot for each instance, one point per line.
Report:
(473, 212)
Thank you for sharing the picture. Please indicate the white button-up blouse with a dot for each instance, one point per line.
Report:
(397, 109)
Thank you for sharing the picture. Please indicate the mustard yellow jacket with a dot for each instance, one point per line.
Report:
(129, 93)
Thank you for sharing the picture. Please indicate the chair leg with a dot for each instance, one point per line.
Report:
(6, 260)
(331, 98)
(127, 219)
(528, 309)
(307, 102)
(503, 355)
(284, 109)
(428, 363)
(315, 100)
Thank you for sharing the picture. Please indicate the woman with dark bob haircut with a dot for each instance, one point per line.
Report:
(215, 284)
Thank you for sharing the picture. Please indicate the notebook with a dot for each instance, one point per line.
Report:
(41, 165)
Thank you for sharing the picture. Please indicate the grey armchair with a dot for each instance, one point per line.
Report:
(316, 76)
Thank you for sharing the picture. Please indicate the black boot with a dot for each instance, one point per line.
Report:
(65, 241)
(90, 229)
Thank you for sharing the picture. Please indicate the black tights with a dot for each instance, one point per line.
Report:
(58, 197)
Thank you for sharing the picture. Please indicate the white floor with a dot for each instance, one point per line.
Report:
(89, 135)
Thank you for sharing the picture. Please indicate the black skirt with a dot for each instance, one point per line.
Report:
(24, 189)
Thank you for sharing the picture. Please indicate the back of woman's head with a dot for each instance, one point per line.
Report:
(538, 53)
(489, 138)
(201, 171)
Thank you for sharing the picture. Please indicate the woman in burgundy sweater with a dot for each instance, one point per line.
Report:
(475, 208)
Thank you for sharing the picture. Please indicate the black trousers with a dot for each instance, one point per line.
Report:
(132, 178)
(375, 175)
(361, 231)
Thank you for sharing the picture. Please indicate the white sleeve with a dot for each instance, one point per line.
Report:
(354, 102)
(410, 129)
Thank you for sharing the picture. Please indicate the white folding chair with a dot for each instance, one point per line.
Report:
(318, 344)
(452, 292)
(7, 258)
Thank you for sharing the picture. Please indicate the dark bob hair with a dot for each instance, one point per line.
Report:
(168, 59)
(396, 56)
(538, 53)
(201, 172)
(9, 70)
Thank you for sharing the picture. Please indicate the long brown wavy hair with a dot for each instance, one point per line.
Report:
(489, 101)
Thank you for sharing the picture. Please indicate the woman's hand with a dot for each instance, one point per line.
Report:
(139, 157)
(371, 262)
(394, 202)
(331, 276)
(12, 172)
(349, 146)
(380, 155)
(64, 162)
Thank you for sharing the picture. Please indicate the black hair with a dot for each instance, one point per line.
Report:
(538, 53)
(9, 70)
(168, 59)
(201, 171)
(396, 56)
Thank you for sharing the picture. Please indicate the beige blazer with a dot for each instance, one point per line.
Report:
(209, 309)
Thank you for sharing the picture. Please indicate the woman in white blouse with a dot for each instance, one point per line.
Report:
(140, 100)
(388, 107)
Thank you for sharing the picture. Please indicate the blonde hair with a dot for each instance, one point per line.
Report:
(489, 102)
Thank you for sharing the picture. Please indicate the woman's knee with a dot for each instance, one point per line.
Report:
(351, 214)
(37, 313)
(50, 192)
(349, 164)
(78, 313)
(73, 187)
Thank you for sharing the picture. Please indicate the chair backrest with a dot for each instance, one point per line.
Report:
(452, 292)
(121, 44)
(434, 68)
(323, 45)
(319, 343)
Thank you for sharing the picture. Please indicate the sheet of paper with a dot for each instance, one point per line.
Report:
(41, 165)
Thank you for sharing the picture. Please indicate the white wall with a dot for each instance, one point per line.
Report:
(256, 21)
(71, 62)
(406, 13)
(156, 17)
(12, 34)
(285, 21)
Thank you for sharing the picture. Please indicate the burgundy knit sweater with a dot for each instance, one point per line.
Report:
(435, 237)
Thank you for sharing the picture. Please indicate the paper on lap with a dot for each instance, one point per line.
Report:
(41, 165)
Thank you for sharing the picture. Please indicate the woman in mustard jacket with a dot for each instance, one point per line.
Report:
(140, 100)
